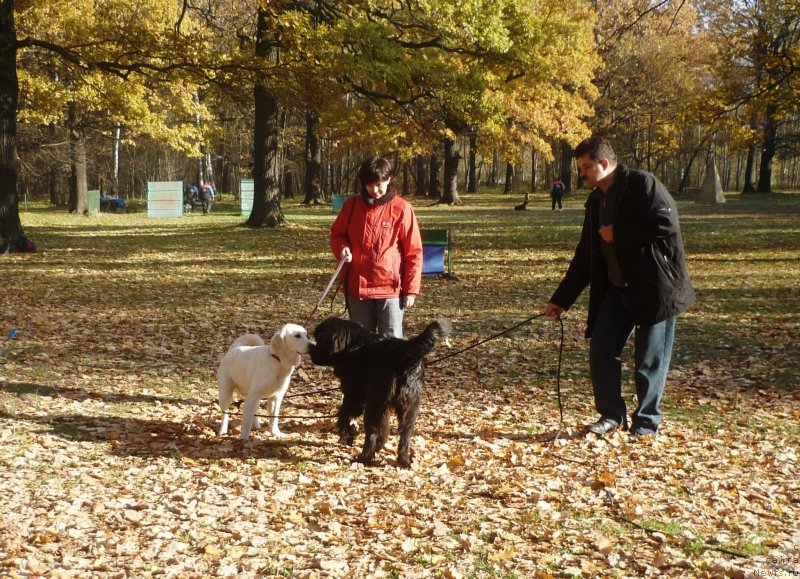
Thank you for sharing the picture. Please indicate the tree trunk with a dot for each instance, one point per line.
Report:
(472, 183)
(433, 181)
(749, 169)
(495, 167)
(688, 169)
(451, 159)
(566, 166)
(534, 169)
(509, 184)
(230, 181)
(266, 187)
(10, 226)
(422, 177)
(312, 188)
(767, 151)
(54, 186)
(287, 186)
(78, 197)
(115, 169)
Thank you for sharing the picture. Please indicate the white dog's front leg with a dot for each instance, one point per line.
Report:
(248, 413)
(223, 426)
(276, 409)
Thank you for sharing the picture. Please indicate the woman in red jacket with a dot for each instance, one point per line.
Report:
(377, 233)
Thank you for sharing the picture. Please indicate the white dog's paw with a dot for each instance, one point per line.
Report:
(278, 434)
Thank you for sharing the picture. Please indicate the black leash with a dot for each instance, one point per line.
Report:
(511, 329)
(310, 393)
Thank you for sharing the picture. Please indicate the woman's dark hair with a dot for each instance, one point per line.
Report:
(374, 168)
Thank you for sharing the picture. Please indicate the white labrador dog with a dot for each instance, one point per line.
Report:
(256, 371)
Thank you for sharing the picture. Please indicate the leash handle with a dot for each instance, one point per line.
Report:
(333, 279)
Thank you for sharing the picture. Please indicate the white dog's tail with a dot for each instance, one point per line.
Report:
(248, 340)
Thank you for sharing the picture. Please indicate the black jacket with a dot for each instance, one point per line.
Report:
(647, 238)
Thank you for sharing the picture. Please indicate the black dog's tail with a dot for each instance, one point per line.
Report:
(416, 348)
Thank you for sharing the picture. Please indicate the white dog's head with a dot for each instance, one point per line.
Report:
(289, 342)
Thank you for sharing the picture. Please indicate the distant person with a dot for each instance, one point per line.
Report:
(377, 233)
(557, 193)
(631, 255)
(192, 195)
(206, 196)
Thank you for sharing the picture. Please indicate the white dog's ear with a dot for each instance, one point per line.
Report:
(278, 344)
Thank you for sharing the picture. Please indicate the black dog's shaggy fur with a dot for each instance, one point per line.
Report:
(377, 374)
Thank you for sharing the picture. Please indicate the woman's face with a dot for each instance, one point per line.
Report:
(378, 189)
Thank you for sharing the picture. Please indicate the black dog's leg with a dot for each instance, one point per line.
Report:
(350, 408)
(376, 430)
(406, 419)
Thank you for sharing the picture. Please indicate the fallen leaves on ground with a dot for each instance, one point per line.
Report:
(110, 466)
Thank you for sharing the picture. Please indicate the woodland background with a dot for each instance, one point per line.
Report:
(111, 94)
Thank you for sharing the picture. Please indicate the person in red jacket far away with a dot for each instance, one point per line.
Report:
(377, 234)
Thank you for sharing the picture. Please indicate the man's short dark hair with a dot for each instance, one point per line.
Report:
(598, 148)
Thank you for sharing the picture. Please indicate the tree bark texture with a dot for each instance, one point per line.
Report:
(433, 180)
(472, 183)
(266, 186)
(565, 171)
(313, 182)
(509, 184)
(451, 159)
(78, 194)
(767, 151)
(749, 169)
(10, 226)
(422, 177)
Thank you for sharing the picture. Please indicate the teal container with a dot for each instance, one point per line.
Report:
(338, 202)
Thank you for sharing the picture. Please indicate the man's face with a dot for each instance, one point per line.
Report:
(592, 171)
(378, 189)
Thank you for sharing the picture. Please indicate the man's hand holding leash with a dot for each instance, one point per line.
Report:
(553, 311)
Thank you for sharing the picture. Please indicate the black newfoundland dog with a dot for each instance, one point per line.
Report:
(377, 374)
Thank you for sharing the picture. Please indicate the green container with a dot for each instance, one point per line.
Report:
(93, 200)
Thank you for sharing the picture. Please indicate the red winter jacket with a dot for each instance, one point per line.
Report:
(386, 245)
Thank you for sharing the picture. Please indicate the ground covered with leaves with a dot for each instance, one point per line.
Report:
(110, 466)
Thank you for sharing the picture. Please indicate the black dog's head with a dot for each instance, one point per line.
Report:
(334, 336)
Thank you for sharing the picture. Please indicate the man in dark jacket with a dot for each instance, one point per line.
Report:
(631, 255)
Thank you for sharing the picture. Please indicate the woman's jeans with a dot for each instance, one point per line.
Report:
(652, 351)
(383, 316)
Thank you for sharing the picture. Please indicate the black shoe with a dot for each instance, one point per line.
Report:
(602, 426)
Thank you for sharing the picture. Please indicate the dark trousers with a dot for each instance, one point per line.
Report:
(206, 203)
(382, 316)
(652, 351)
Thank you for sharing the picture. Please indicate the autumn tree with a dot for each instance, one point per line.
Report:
(658, 64)
(759, 42)
(93, 72)
(514, 72)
